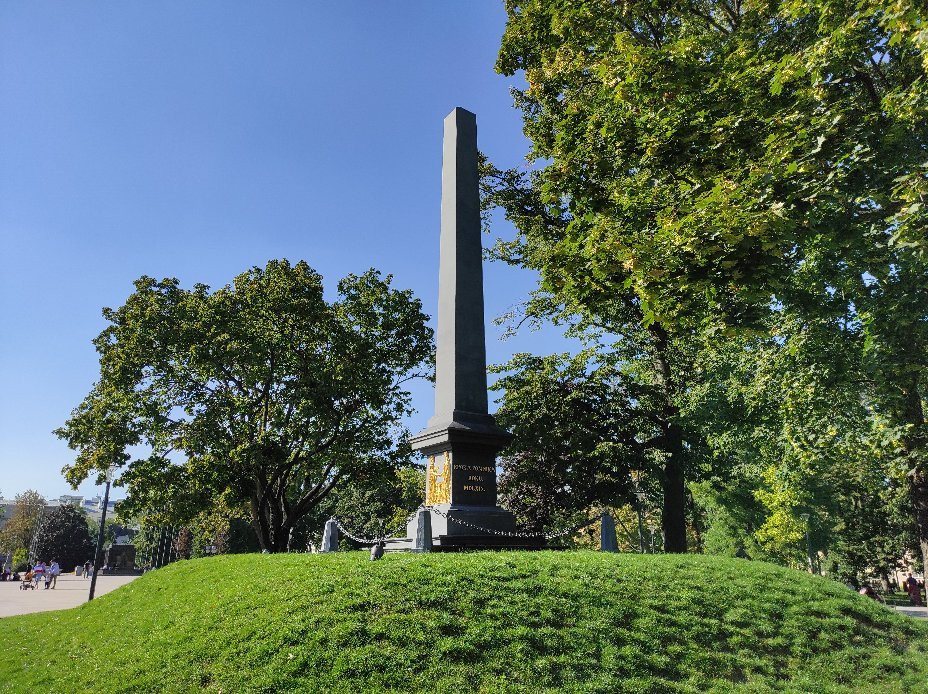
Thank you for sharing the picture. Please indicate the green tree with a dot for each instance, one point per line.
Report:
(658, 358)
(260, 392)
(791, 414)
(705, 160)
(225, 529)
(63, 535)
(20, 559)
(874, 531)
(375, 505)
(111, 529)
(704, 148)
(20, 527)
(579, 437)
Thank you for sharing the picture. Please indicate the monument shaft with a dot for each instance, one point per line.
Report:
(460, 377)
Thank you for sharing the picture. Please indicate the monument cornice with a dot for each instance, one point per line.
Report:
(441, 435)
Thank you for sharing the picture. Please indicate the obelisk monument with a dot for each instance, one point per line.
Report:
(462, 440)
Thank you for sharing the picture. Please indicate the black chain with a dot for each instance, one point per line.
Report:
(466, 524)
(375, 540)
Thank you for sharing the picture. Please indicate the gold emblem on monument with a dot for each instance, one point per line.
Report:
(438, 481)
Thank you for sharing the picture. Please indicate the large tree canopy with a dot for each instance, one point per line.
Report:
(700, 150)
(259, 392)
(706, 163)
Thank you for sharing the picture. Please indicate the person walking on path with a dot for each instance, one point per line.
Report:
(914, 590)
(38, 573)
(87, 568)
(53, 572)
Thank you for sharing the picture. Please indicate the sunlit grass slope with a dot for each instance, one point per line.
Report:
(509, 621)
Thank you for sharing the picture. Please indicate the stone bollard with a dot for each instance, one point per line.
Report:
(330, 536)
(377, 550)
(607, 540)
(423, 531)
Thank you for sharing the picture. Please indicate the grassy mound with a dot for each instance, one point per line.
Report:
(508, 621)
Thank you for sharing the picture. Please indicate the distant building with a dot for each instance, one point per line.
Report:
(92, 506)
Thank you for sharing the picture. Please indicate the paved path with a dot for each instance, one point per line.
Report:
(70, 591)
(912, 611)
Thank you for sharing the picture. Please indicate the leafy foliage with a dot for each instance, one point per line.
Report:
(267, 393)
(700, 151)
(790, 414)
(63, 535)
(377, 505)
(713, 166)
(20, 527)
(578, 436)
(20, 559)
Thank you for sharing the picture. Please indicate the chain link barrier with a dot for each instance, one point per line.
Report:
(344, 531)
(508, 533)
(467, 524)
(374, 540)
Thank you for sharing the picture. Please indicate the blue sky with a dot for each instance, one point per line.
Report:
(195, 140)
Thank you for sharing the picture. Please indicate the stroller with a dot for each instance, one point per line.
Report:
(27, 581)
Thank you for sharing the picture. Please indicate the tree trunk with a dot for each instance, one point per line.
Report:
(673, 518)
(918, 493)
(278, 538)
(259, 523)
(915, 444)
(697, 523)
(268, 527)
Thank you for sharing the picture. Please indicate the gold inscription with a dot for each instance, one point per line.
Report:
(476, 468)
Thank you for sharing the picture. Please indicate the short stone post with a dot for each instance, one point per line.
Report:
(330, 536)
(423, 531)
(607, 540)
(377, 550)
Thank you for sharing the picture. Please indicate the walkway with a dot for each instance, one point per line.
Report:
(70, 591)
(912, 611)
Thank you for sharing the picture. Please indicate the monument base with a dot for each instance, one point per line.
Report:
(460, 543)
(457, 527)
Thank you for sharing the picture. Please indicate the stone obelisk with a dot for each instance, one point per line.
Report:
(461, 440)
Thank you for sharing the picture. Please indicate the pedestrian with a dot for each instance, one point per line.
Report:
(870, 593)
(38, 573)
(53, 572)
(88, 567)
(914, 590)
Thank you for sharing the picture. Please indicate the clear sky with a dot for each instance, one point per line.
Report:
(197, 139)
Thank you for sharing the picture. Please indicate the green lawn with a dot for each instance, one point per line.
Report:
(507, 621)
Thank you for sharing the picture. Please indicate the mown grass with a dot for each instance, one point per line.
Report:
(508, 621)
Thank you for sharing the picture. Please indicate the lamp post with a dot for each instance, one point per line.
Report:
(805, 519)
(96, 556)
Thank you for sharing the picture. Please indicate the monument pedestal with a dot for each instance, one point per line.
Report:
(461, 485)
